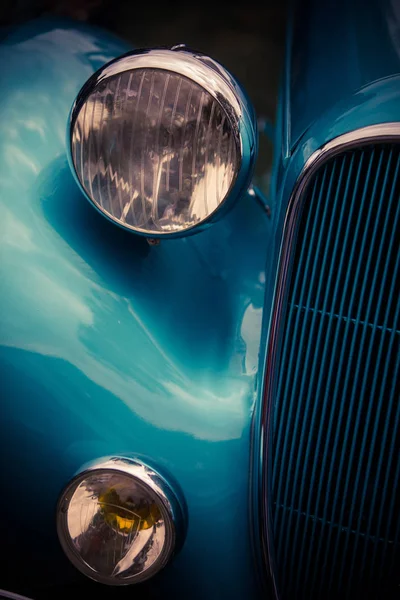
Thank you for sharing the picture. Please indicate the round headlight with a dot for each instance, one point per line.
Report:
(160, 139)
(118, 521)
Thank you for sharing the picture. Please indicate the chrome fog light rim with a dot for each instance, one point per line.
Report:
(151, 484)
(216, 82)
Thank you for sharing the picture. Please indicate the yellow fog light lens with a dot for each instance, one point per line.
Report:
(125, 515)
(118, 520)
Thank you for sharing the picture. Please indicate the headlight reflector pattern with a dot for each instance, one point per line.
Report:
(154, 150)
(157, 144)
(117, 522)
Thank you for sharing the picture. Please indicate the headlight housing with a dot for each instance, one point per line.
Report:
(161, 139)
(119, 521)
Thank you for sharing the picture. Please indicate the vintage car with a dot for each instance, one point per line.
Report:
(200, 384)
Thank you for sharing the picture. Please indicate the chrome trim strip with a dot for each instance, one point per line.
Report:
(384, 132)
(201, 69)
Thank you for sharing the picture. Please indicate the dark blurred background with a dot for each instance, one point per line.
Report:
(247, 37)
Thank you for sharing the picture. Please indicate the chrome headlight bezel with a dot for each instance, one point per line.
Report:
(215, 81)
(169, 499)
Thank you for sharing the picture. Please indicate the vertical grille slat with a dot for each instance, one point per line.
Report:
(312, 407)
(282, 433)
(340, 336)
(335, 349)
(308, 384)
(335, 411)
(300, 374)
(353, 434)
(377, 415)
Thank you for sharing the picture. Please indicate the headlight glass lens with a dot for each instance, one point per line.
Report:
(154, 150)
(113, 528)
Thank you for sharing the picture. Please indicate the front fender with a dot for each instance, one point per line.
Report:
(112, 346)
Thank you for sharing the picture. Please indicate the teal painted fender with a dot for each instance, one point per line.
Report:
(112, 346)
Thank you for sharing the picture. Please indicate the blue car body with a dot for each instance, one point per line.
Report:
(110, 346)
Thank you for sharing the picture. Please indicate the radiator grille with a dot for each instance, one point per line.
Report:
(336, 410)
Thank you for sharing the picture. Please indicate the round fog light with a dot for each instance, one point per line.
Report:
(117, 521)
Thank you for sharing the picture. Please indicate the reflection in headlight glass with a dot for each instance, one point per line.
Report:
(154, 150)
(115, 526)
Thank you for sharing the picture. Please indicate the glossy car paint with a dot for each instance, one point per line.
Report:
(110, 346)
(337, 48)
(312, 115)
